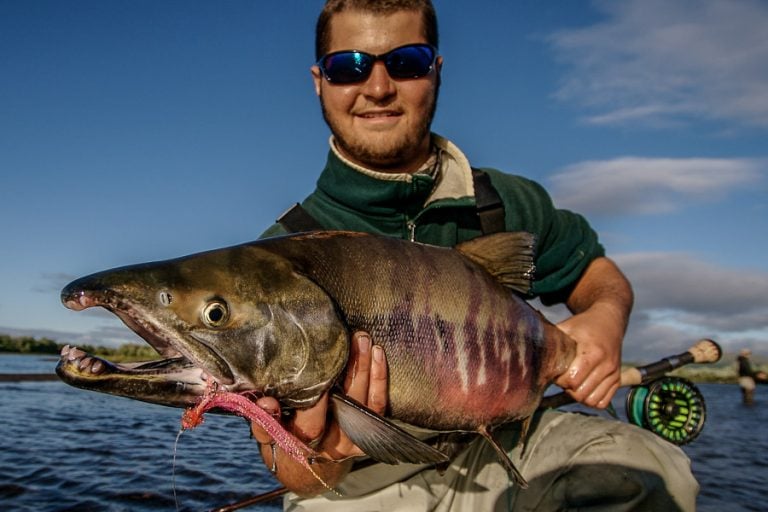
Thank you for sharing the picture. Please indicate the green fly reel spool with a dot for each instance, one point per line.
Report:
(670, 407)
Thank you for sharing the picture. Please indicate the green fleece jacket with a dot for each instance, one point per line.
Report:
(441, 211)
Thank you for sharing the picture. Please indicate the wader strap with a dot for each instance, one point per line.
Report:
(296, 220)
(490, 208)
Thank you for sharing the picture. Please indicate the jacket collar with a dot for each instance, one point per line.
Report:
(451, 181)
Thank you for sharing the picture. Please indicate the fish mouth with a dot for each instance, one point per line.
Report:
(175, 382)
(187, 367)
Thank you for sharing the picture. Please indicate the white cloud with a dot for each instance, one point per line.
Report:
(631, 185)
(680, 299)
(655, 60)
(680, 282)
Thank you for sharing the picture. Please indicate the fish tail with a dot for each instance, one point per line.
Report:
(563, 349)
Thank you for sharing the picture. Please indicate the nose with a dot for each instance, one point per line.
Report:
(86, 292)
(379, 84)
(75, 299)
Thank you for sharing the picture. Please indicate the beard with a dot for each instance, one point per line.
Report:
(390, 153)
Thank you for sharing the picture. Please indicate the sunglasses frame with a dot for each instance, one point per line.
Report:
(375, 58)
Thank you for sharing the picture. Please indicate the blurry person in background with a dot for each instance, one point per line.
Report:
(748, 376)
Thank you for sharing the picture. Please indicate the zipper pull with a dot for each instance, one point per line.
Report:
(411, 231)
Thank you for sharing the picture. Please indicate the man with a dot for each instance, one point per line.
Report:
(387, 173)
(748, 376)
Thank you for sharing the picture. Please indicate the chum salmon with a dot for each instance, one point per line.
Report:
(465, 351)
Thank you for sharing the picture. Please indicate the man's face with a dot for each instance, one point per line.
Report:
(381, 122)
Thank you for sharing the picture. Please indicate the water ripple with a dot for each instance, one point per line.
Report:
(66, 449)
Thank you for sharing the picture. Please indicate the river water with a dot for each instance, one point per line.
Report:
(66, 449)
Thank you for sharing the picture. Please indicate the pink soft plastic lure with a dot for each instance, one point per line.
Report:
(242, 406)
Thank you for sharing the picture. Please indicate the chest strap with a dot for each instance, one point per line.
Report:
(490, 210)
(297, 220)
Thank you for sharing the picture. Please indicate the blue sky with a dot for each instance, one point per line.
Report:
(144, 130)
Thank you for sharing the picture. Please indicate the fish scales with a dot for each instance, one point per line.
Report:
(436, 359)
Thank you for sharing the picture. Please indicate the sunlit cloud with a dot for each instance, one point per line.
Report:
(631, 185)
(680, 298)
(658, 61)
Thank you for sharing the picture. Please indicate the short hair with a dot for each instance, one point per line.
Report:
(322, 29)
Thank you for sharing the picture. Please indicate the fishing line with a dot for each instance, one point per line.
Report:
(173, 471)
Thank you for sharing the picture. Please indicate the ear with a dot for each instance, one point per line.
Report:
(317, 77)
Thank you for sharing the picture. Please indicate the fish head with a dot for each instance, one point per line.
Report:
(242, 315)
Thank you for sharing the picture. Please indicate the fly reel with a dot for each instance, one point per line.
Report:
(671, 407)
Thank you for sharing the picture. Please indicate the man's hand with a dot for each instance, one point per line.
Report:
(593, 376)
(601, 301)
(366, 382)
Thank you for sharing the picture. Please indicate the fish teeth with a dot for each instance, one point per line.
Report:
(74, 354)
(83, 361)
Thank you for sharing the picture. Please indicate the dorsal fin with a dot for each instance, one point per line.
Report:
(506, 256)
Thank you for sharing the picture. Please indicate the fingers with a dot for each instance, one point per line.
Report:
(607, 395)
(576, 375)
(366, 379)
(592, 385)
(597, 390)
(358, 367)
(309, 424)
(377, 386)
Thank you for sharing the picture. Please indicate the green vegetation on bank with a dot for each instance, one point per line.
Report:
(30, 345)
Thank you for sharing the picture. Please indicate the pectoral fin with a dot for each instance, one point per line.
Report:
(381, 439)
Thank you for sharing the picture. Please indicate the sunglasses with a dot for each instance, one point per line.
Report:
(350, 66)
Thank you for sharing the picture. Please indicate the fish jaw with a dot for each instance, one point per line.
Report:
(174, 382)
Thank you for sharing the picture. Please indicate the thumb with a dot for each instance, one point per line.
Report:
(272, 406)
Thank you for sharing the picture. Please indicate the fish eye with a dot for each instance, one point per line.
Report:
(165, 298)
(215, 313)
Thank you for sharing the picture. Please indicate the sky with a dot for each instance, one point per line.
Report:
(145, 130)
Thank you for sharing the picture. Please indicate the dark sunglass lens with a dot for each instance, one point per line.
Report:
(410, 61)
(346, 67)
